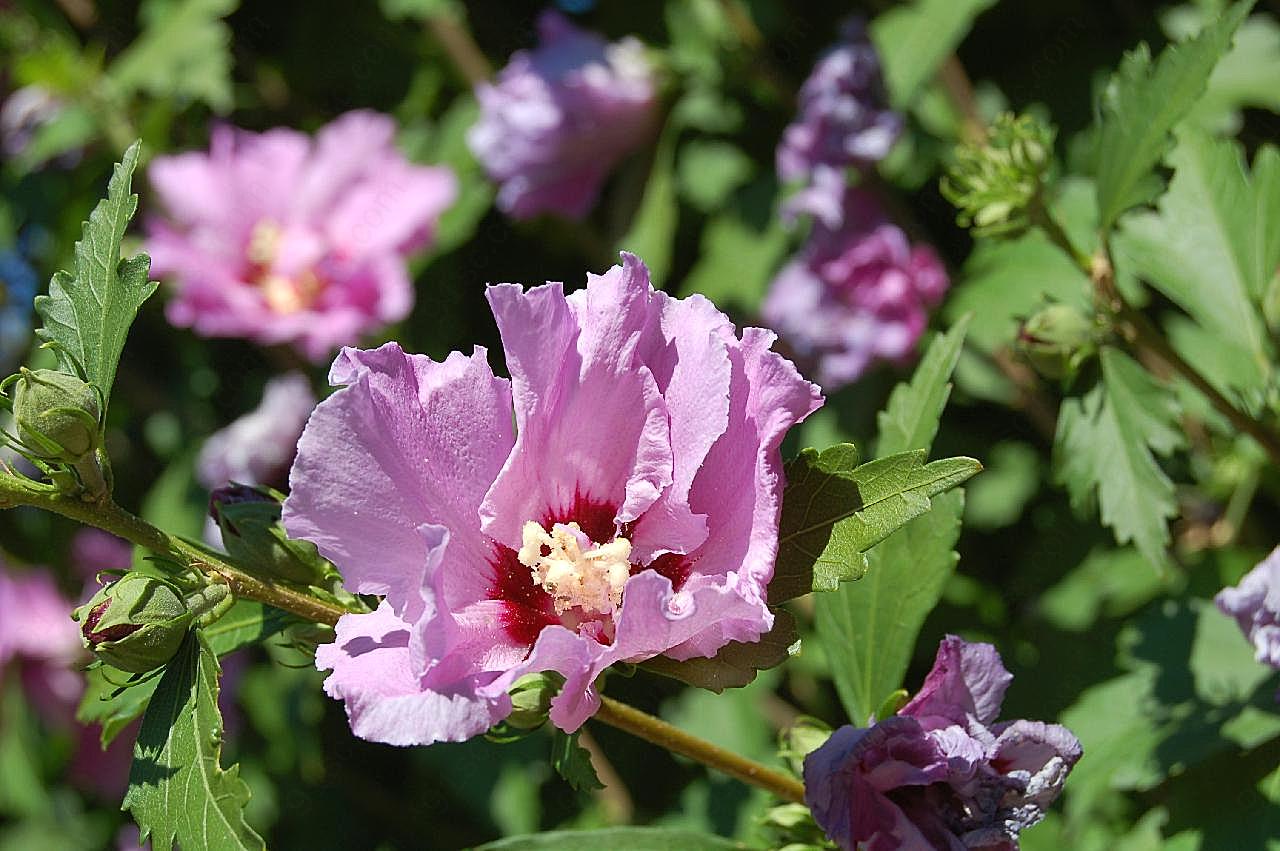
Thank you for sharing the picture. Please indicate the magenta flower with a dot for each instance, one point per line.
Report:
(560, 117)
(941, 773)
(278, 238)
(857, 293)
(39, 641)
(1255, 604)
(843, 117)
(617, 499)
(257, 448)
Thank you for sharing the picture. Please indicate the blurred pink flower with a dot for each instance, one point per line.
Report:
(279, 238)
(560, 117)
(258, 447)
(858, 292)
(617, 499)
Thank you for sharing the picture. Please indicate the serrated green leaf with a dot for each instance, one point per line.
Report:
(1247, 76)
(573, 762)
(910, 419)
(834, 511)
(737, 663)
(178, 790)
(184, 51)
(1210, 247)
(88, 314)
(1104, 445)
(616, 839)
(1144, 105)
(869, 627)
(914, 38)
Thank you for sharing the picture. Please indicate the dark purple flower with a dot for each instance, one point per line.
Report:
(1255, 604)
(560, 117)
(843, 117)
(942, 774)
(858, 292)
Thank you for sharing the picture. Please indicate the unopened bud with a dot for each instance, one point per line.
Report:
(1057, 339)
(58, 415)
(994, 183)
(136, 623)
(531, 700)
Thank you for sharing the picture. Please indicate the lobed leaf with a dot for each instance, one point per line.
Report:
(1211, 247)
(1104, 445)
(87, 314)
(184, 52)
(573, 762)
(1144, 103)
(178, 790)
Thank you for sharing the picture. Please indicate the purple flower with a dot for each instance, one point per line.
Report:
(856, 293)
(843, 118)
(617, 499)
(93, 551)
(278, 238)
(1255, 604)
(39, 641)
(941, 773)
(560, 117)
(258, 448)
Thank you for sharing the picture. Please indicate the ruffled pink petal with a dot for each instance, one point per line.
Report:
(968, 680)
(592, 424)
(345, 150)
(385, 699)
(392, 210)
(409, 442)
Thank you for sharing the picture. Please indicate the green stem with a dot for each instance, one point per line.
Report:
(659, 732)
(105, 514)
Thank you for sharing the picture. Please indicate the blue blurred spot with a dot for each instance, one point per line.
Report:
(17, 289)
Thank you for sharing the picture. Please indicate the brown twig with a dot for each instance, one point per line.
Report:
(466, 56)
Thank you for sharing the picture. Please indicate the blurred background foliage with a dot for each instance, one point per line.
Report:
(1177, 755)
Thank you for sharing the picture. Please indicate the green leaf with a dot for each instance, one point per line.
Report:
(914, 38)
(737, 663)
(178, 791)
(1144, 104)
(184, 51)
(708, 171)
(616, 839)
(1247, 76)
(910, 419)
(869, 627)
(651, 235)
(1211, 246)
(475, 191)
(1104, 444)
(735, 260)
(1010, 478)
(88, 314)
(834, 511)
(573, 762)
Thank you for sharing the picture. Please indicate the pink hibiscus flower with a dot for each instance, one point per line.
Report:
(617, 499)
(279, 238)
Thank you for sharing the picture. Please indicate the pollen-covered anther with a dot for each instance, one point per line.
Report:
(573, 569)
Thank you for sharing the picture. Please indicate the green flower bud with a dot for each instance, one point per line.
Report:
(135, 624)
(994, 183)
(58, 415)
(802, 738)
(1057, 339)
(531, 700)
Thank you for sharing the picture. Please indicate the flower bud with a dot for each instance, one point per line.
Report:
(1057, 339)
(995, 182)
(249, 518)
(135, 624)
(57, 415)
(531, 700)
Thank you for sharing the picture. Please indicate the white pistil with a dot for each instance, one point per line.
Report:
(590, 579)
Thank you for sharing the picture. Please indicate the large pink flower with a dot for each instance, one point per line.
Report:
(617, 499)
(279, 238)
